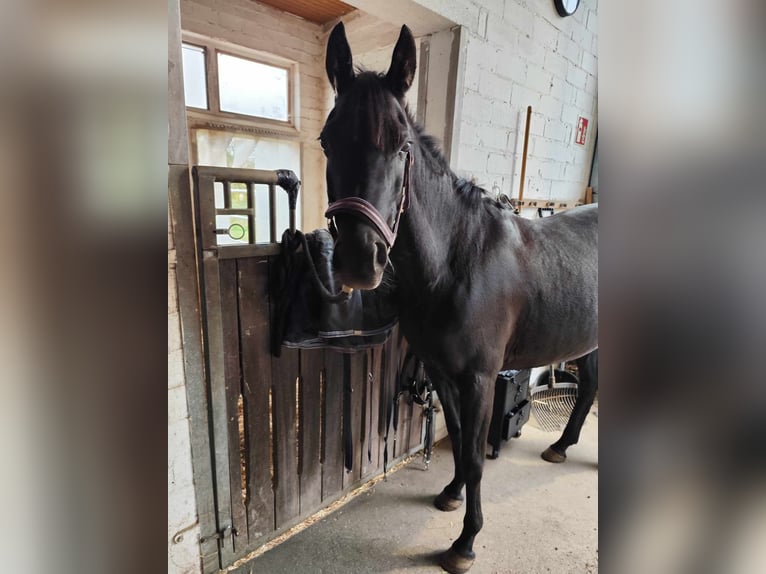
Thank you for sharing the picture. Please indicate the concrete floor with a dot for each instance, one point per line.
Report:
(538, 517)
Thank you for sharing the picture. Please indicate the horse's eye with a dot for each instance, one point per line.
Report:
(406, 147)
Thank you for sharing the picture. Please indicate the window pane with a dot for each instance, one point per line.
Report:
(195, 85)
(229, 149)
(247, 87)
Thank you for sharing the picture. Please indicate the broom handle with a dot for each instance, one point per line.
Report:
(524, 156)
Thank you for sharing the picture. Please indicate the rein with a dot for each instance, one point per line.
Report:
(363, 208)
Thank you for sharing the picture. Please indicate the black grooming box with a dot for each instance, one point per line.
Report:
(510, 409)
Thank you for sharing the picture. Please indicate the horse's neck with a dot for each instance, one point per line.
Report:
(436, 226)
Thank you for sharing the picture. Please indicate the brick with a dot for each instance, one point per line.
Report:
(482, 26)
(530, 50)
(547, 169)
(499, 163)
(180, 472)
(545, 34)
(537, 188)
(477, 107)
(519, 16)
(566, 190)
(557, 130)
(545, 149)
(494, 87)
(539, 80)
(471, 78)
(176, 375)
(174, 332)
(177, 407)
(592, 21)
(521, 97)
(556, 64)
(568, 49)
(536, 123)
(511, 65)
(505, 115)
(482, 54)
(576, 77)
(494, 137)
(172, 292)
(591, 85)
(584, 101)
(500, 32)
(580, 35)
(473, 159)
(550, 106)
(590, 63)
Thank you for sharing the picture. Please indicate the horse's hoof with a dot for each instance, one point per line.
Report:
(553, 456)
(454, 563)
(446, 503)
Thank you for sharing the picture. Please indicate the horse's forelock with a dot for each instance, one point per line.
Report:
(377, 118)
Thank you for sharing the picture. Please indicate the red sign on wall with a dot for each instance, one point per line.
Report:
(582, 128)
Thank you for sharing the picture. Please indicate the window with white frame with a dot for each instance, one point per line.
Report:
(242, 113)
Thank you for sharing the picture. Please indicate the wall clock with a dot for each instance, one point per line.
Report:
(566, 7)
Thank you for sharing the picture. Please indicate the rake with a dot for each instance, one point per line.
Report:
(553, 397)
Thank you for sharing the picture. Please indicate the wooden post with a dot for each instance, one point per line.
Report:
(524, 156)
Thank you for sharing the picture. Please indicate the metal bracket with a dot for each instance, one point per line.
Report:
(220, 535)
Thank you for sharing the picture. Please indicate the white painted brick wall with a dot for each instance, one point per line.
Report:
(551, 64)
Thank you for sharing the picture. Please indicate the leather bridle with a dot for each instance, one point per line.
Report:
(364, 209)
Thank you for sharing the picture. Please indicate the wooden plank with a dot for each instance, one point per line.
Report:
(256, 380)
(284, 377)
(365, 432)
(310, 435)
(232, 378)
(217, 397)
(179, 192)
(371, 453)
(357, 381)
(332, 460)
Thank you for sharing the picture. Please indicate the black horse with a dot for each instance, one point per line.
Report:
(479, 288)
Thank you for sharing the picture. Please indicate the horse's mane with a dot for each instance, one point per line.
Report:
(370, 94)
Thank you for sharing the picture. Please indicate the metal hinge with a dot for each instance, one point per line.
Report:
(220, 535)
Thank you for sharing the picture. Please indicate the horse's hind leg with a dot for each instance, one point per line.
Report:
(587, 367)
(475, 410)
(451, 498)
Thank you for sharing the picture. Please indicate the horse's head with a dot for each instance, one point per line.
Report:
(367, 139)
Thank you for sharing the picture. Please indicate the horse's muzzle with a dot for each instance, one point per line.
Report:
(359, 261)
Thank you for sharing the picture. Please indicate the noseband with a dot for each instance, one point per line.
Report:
(363, 208)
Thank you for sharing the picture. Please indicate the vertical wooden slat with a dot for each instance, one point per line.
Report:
(366, 415)
(284, 374)
(332, 463)
(356, 383)
(232, 377)
(370, 446)
(312, 365)
(256, 371)
(217, 397)
(377, 382)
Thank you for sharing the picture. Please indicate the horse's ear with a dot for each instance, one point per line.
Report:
(340, 69)
(402, 71)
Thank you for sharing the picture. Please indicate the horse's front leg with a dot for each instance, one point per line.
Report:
(451, 498)
(475, 412)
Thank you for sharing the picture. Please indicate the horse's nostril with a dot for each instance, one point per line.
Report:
(381, 253)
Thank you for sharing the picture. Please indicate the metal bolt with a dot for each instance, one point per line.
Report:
(178, 538)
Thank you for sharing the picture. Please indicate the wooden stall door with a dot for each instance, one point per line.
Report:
(283, 429)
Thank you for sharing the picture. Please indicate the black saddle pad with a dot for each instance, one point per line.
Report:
(305, 319)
